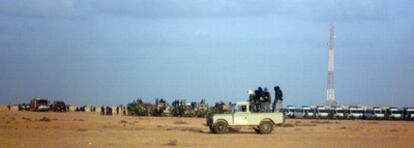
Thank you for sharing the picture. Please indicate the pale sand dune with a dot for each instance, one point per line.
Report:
(24, 129)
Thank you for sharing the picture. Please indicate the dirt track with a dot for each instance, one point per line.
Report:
(25, 129)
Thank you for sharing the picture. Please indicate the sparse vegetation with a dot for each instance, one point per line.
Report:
(172, 142)
(180, 122)
(45, 119)
(394, 130)
(287, 125)
(123, 121)
(82, 130)
(27, 119)
(321, 122)
(343, 127)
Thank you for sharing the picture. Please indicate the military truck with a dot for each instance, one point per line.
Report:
(374, 113)
(308, 112)
(290, 111)
(240, 115)
(355, 112)
(322, 112)
(58, 106)
(409, 113)
(39, 104)
(394, 113)
(338, 113)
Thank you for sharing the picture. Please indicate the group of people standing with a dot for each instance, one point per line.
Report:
(261, 100)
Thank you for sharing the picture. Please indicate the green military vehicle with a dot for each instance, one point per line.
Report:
(241, 115)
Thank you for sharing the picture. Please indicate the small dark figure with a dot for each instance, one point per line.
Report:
(102, 110)
(278, 99)
(108, 110)
(117, 110)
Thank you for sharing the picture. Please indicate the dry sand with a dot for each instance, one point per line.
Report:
(28, 129)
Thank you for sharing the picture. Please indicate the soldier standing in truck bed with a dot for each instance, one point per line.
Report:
(252, 100)
(266, 100)
(258, 97)
(278, 99)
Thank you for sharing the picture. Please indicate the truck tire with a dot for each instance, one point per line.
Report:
(220, 127)
(266, 127)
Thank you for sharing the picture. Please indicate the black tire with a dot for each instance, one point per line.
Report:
(220, 127)
(266, 127)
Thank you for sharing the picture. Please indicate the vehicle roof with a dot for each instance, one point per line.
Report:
(242, 102)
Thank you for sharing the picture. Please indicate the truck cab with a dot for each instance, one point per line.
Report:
(39, 104)
(58, 106)
(378, 113)
(241, 115)
(338, 113)
(356, 112)
(290, 111)
(322, 112)
(394, 113)
(409, 113)
(308, 112)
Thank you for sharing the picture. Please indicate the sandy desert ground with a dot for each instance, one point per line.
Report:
(48, 129)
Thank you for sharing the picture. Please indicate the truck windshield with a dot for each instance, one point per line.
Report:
(42, 102)
(396, 112)
(378, 111)
(241, 108)
(340, 111)
(322, 111)
(356, 111)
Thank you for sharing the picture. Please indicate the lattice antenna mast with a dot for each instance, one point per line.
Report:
(330, 92)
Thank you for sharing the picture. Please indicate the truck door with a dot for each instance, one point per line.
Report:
(241, 115)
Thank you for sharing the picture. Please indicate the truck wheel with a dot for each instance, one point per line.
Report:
(265, 127)
(220, 127)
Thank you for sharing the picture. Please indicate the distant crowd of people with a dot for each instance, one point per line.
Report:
(261, 100)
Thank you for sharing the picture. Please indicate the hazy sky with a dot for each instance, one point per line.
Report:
(111, 52)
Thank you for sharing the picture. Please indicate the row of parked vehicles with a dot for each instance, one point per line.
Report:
(349, 112)
(39, 104)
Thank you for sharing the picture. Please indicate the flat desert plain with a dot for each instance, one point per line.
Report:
(75, 129)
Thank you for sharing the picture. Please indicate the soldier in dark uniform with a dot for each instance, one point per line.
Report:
(278, 99)
(102, 110)
(266, 100)
(258, 96)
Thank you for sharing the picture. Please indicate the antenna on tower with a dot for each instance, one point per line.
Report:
(330, 91)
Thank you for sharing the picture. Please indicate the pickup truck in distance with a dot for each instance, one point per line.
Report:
(240, 115)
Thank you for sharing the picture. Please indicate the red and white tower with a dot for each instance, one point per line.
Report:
(330, 92)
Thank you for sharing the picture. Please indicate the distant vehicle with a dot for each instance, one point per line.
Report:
(394, 113)
(379, 113)
(322, 112)
(308, 112)
(338, 113)
(39, 104)
(374, 113)
(409, 113)
(290, 111)
(58, 106)
(355, 112)
(240, 115)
